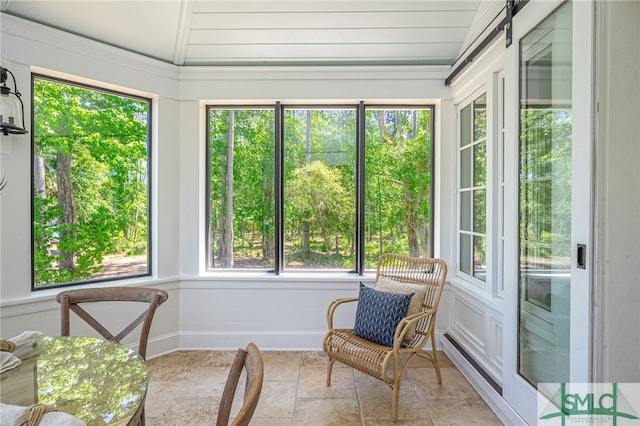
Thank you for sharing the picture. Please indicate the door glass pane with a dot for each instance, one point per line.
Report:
(480, 211)
(480, 117)
(465, 126)
(465, 253)
(465, 168)
(465, 210)
(545, 199)
(480, 258)
(480, 164)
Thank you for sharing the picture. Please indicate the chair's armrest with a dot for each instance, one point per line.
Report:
(405, 323)
(334, 305)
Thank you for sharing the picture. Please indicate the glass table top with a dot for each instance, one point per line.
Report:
(97, 381)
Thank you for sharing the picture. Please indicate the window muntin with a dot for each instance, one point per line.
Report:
(91, 192)
(316, 224)
(472, 189)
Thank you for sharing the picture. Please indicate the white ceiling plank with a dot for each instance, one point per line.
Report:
(302, 36)
(344, 51)
(209, 6)
(372, 20)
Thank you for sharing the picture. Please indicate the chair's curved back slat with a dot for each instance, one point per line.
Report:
(71, 300)
(224, 410)
(249, 360)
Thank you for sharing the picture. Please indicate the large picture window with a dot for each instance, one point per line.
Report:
(91, 192)
(318, 187)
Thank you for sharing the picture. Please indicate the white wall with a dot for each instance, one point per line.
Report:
(205, 310)
(475, 316)
(618, 195)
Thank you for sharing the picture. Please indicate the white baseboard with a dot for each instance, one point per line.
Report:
(269, 340)
(494, 400)
(162, 345)
(266, 340)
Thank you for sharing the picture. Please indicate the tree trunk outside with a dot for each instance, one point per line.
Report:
(65, 202)
(38, 177)
(412, 234)
(306, 249)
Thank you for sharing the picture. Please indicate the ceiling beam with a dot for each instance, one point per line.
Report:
(184, 28)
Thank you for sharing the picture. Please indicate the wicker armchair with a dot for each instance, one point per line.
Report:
(411, 335)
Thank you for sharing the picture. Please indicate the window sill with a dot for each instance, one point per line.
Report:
(477, 293)
(307, 280)
(47, 294)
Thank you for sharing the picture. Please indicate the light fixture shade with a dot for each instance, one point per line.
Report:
(11, 114)
(11, 107)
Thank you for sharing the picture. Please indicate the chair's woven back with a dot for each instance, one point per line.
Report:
(430, 272)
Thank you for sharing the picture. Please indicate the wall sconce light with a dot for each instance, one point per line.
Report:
(11, 106)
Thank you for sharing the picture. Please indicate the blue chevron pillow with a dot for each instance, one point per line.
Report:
(378, 314)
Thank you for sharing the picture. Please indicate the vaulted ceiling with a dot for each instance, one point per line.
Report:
(269, 32)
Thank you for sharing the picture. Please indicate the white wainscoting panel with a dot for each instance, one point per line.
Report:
(476, 325)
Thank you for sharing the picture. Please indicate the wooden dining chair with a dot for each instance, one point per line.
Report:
(76, 300)
(249, 360)
(71, 300)
(394, 322)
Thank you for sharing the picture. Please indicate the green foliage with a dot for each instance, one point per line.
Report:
(545, 184)
(316, 196)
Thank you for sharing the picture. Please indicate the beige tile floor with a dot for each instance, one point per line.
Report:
(185, 389)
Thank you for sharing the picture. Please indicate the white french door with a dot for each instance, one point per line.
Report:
(547, 338)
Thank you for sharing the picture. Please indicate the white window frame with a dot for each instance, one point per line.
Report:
(488, 234)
